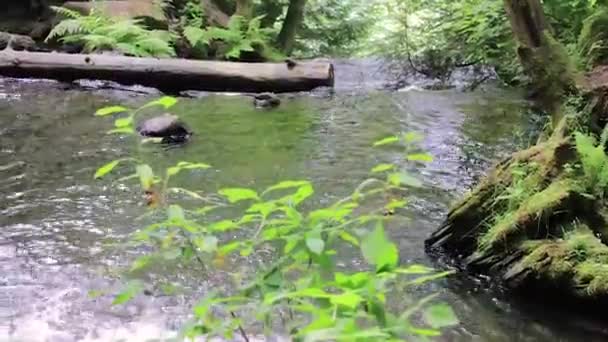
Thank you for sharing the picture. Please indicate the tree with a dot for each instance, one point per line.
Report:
(543, 58)
(293, 20)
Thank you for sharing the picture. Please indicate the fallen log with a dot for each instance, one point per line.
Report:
(169, 75)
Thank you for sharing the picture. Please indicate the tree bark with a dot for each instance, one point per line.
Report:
(293, 20)
(244, 8)
(169, 75)
(543, 58)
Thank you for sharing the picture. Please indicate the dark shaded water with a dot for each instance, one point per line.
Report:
(57, 224)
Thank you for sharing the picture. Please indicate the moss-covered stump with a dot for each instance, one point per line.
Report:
(535, 222)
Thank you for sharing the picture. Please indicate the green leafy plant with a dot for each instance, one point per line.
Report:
(594, 161)
(240, 36)
(593, 39)
(299, 287)
(97, 32)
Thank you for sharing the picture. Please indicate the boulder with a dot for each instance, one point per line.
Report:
(166, 126)
(266, 100)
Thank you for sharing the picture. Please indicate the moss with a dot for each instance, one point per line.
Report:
(579, 257)
(531, 210)
(592, 39)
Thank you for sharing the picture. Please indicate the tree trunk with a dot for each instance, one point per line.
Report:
(544, 59)
(293, 20)
(244, 8)
(169, 75)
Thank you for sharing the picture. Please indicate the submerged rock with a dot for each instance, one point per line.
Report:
(167, 126)
(266, 100)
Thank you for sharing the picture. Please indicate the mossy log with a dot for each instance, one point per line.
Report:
(534, 223)
(169, 75)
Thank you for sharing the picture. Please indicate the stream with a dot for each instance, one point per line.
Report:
(59, 228)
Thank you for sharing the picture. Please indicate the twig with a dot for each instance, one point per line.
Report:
(241, 330)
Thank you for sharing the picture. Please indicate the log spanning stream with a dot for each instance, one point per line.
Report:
(58, 225)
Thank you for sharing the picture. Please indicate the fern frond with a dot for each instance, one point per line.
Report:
(225, 35)
(66, 12)
(195, 36)
(95, 42)
(155, 47)
(236, 23)
(66, 27)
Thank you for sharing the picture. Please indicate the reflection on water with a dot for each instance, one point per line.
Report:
(59, 229)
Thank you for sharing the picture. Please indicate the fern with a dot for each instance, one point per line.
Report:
(239, 36)
(97, 32)
(594, 161)
(66, 12)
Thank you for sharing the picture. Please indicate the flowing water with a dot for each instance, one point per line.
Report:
(58, 226)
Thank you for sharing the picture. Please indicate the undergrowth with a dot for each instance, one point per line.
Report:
(97, 32)
(593, 39)
(239, 37)
(300, 290)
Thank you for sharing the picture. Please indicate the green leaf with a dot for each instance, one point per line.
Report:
(394, 204)
(95, 293)
(379, 251)
(229, 247)
(134, 287)
(286, 185)
(165, 101)
(206, 244)
(440, 316)
(127, 130)
(123, 122)
(412, 137)
(414, 269)
(175, 213)
(353, 281)
(141, 263)
(382, 168)
(348, 299)
(425, 279)
(349, 238)
(303, 193)
(235, 195)
(110, 110)
(186, 166)
(386, 141)
(107, 168)
(146, 175)
(315, 243)
(421, 157)
(403, 178)
(222, 226)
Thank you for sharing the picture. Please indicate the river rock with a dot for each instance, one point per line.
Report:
(266, 100)
(166, 126)
(16, 42)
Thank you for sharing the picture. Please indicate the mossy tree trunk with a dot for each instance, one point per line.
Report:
(293, 20)
(545, 61)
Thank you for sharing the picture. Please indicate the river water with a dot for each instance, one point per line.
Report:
(58, 227)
